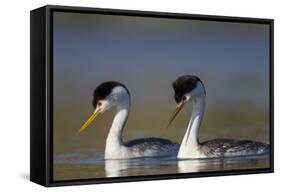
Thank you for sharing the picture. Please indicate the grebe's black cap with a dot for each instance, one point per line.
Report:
(183, 85)
(104, 89)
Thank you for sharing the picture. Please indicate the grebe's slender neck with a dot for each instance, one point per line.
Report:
(114, 141)
(190, 142)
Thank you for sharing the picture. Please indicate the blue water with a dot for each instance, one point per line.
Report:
(77, 166)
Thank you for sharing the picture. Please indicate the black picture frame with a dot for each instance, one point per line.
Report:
(41, 119)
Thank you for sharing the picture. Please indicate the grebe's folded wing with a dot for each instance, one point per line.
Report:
(154, 144)
(229, 147)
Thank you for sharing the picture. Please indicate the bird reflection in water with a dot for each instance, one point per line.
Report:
(169, 165)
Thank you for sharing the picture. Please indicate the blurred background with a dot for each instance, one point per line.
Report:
(147, 54)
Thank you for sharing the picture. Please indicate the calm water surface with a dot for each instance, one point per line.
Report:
(83, 165)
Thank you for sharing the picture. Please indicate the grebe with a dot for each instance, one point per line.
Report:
(190, 89)
(110, 94)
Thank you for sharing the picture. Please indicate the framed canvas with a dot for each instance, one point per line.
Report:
(119, 95)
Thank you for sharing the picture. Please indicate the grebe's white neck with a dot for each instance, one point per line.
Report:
(190, 142)
(114, 141)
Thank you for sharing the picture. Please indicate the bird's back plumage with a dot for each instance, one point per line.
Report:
(229, 147)
(153, 147)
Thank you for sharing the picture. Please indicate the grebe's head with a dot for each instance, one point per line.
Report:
(187, 88)
(107, 95)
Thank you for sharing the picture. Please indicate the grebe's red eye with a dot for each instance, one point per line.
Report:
(99, 103)
(184, 98)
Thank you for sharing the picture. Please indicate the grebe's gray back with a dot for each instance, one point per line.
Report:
(190, 89)
(233, 147)
(152, 143)
(110, 94)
